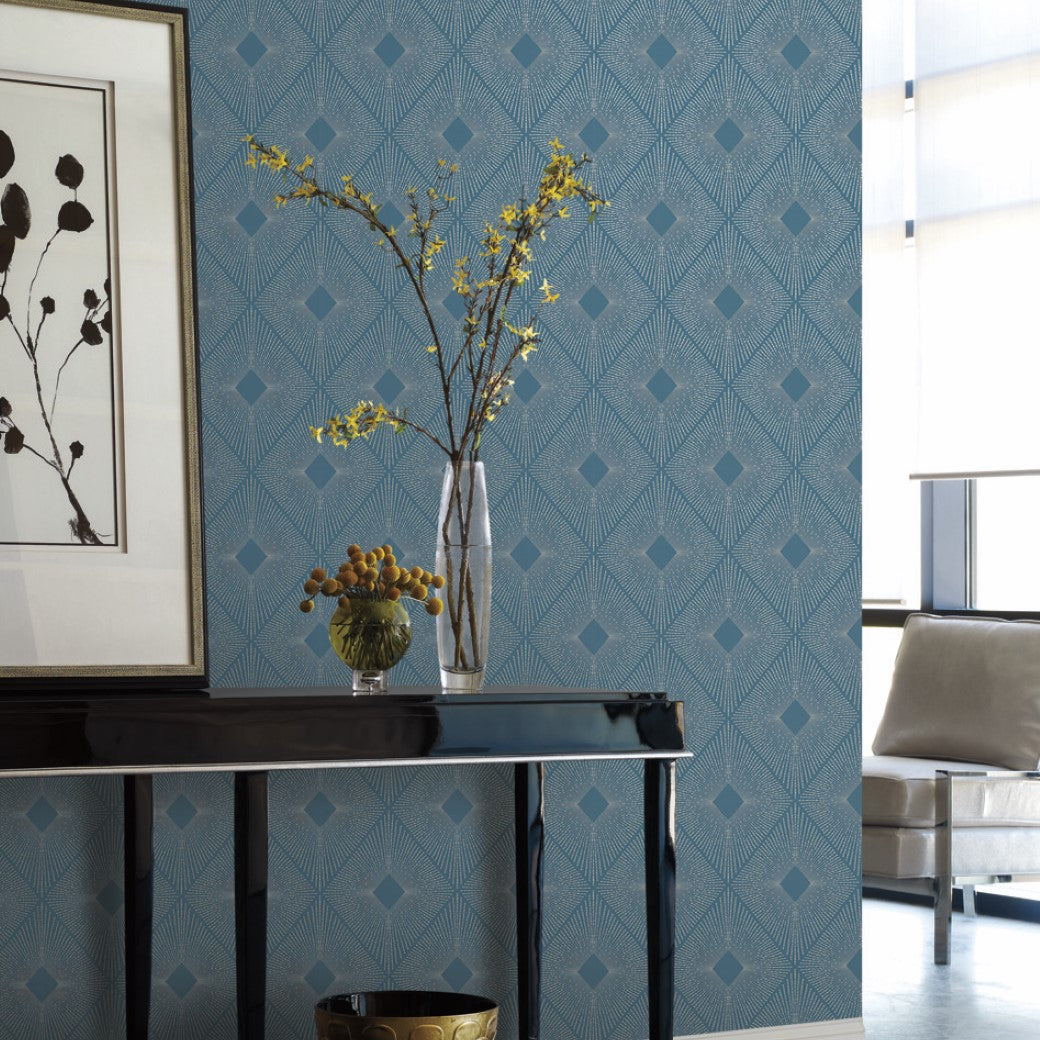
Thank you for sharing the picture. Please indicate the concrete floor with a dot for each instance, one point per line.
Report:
(989, 991)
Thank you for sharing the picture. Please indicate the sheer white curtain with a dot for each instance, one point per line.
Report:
(951, 347)
(977, 224)
(891, 538)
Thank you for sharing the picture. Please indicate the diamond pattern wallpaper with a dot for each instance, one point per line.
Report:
(675, 505)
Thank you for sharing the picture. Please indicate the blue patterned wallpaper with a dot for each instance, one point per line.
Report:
(675, 498)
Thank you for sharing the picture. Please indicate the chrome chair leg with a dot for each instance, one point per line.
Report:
(943, 883)
(968, 893)
(943, 913)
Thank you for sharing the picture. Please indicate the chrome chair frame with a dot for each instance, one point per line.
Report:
(939, 887)
(945, 874)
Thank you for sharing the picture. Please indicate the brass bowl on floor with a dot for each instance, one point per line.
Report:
(406, 1015)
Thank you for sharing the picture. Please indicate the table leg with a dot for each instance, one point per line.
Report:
(530, 845)
(137, 902)
(251, 902)
(659, 822)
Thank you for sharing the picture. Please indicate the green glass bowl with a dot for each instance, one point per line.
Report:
(370, 634)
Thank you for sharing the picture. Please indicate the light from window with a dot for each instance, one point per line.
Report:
(879, 655)
(1007, 555)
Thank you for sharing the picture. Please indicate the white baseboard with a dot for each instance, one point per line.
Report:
(836, 1029)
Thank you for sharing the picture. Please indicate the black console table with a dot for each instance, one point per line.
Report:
(135, 733)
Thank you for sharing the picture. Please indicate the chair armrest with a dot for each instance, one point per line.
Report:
(947, 781)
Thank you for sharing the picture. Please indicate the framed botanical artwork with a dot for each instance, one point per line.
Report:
(101, 568)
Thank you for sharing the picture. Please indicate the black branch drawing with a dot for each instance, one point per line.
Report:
(30, 339)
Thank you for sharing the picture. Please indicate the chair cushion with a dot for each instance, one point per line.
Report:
(900, 792)
(908, 852)
(967, 690)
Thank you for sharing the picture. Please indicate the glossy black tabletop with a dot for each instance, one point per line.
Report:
(149, 731)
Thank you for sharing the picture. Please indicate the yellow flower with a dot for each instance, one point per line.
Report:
(435, 245)
(547, 290)
(528, 334)
(492, 241)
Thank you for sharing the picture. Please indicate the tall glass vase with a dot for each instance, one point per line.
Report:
(464, 558)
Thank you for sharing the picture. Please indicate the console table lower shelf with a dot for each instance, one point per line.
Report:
(251, 732)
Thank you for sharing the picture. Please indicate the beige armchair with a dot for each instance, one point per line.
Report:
(951, 793)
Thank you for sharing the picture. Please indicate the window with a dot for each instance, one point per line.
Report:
(951, 358)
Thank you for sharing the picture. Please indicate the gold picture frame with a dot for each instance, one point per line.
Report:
(101, 534)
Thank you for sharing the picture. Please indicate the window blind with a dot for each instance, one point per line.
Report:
(891, 540)
(976, 168)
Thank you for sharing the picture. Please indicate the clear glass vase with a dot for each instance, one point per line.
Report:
(464, 559)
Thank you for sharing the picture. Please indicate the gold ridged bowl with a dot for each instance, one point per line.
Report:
(406, 1015)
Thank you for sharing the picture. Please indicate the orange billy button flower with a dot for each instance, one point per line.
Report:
(372, 575)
